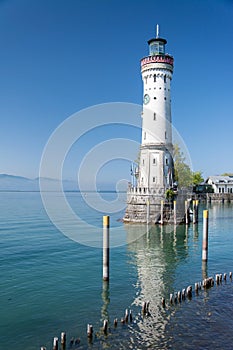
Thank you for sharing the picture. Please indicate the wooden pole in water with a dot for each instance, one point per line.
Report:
(63, 339)
(106, 248)
(197, 203)
(105, 326)
(161, 211)
(186, 213)
(130, 316)
(55, 343)
(205, 236)
(89, 331)
(194, 212)
(126, 315)
(148, 211)
(174, 204)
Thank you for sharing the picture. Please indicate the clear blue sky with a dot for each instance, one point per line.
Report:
(60, 56)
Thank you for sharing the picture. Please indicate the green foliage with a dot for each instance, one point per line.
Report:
(183, 173)
(137, 160)
(197, 178)
(227, 174)
(169, 194)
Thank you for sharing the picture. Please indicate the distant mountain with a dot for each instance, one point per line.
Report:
(20, 183)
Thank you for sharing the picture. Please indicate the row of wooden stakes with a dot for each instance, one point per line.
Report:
(206, 283)
(128, 317)
(90, 332)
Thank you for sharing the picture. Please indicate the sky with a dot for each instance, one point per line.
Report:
(59, 57)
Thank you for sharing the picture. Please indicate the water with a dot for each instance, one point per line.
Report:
(50, 283)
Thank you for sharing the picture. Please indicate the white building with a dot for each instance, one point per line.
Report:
(156, 163)
(155, 172)
(221, 184)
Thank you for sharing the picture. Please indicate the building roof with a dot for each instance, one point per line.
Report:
(157, 39)
(219, 179)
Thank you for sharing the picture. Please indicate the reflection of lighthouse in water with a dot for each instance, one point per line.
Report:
(157, 256)
(155, 173)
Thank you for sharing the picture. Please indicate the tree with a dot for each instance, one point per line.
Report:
(197, 178)
(227, 174)
(137, 160)
(183, 173)
(169, 194)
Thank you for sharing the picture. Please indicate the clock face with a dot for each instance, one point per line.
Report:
(146, 99)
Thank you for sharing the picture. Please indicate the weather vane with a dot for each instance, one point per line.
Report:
(157, 31)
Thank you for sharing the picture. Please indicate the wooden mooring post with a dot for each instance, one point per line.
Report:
(105, 326)
(63, 339)
(161, 213)
(194, 212)
(147, 211)
(197, 203)
(175, 210)
(106, 248)
(205, 236)
(55, 343)
(89, 331)
(186, 213)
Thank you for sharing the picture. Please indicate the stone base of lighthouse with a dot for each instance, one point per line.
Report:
(146, 205)
(143, 204)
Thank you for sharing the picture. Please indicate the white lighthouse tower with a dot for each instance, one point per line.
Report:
(155, 173)
(156, 164)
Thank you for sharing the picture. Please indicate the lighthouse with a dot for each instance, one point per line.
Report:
(156, 164)
(155, 171)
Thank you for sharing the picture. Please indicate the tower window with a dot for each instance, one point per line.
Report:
(165, 78)
(165, 135)
(146, 79)
(143, 162)
(153, 179)
(165, 98)
(144, 135)
(166, 161)
(155, 98)
(154, 78)
(154, 116)
(154, 161)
